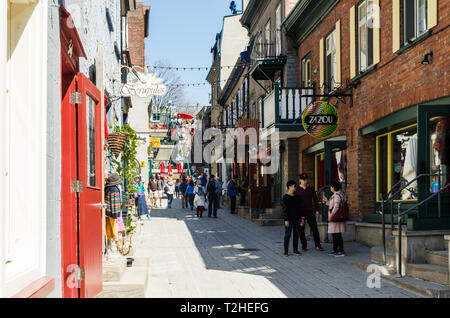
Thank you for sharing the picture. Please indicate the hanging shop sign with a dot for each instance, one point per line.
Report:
(143, 85)
(155, 143)
(320, 119)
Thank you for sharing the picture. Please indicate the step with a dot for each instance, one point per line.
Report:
(376, 255)
(414, 285)
(133, 284)
(439, 258)
(428, 272)
(268, 222)
(114, 268)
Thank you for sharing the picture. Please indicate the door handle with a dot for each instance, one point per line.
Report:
(100, 205)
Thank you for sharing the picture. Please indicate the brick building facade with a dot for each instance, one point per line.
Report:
(398, 81)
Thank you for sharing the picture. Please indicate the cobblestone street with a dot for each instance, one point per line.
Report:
(230, 257)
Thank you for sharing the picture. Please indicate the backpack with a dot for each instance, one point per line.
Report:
(342, 214)
(183, 187)
(200, 191)
(211, 187)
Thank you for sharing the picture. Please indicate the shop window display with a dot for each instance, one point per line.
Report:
(439, 135)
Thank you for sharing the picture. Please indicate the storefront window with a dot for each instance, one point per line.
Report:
(340, 158)
(396, 161)
(439, 135)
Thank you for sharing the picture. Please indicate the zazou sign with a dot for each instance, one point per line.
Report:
(143, 85)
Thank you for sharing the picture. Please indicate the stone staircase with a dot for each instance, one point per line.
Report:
(429, 278)
(123, 281)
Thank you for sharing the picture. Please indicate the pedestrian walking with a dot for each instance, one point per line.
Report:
(113, 207)
(190, 194)
(292, 213)
(199, 199)
(336, 228)
(219, 190)
(310, 203)
(232, 193)
(140, 201)
(153, 190)
(159, 192)
(212, 197)
(184, 197)
(170, 191)
(177, 190)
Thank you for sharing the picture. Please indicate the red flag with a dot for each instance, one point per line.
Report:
(180, 168)
(170, 171)
(163, 168)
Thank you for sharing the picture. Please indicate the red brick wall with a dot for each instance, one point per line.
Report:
(136, 34)
(398, 82)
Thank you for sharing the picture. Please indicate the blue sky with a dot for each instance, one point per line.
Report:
(182, 33)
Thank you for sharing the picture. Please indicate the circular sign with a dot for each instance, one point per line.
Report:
(320, 120)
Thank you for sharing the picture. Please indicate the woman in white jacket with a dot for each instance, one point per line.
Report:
(199, 199)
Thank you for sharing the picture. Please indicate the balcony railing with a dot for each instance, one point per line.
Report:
(285, 106)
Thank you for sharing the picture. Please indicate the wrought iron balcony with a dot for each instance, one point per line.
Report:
(284, 106)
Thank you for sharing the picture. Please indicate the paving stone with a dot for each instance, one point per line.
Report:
(204, 258)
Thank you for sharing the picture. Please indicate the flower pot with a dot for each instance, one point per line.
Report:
(116, 142)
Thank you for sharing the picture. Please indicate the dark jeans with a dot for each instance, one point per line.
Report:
(233, 204)
(212, 204)
(311, 219)
(243, 197)
(293, 226)
(191, 200)
(184, 201)
(169, 199)
(338, 243)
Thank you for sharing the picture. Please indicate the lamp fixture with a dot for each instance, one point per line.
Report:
(428, 58)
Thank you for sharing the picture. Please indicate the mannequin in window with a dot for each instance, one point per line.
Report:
(410, 167)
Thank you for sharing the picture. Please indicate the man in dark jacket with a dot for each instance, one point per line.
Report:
(212, 197)
(293, 213)
(310, 203)
(184, 197)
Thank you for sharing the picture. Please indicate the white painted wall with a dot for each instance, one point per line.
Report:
(3, 141)
(234, 41)
(25, 142)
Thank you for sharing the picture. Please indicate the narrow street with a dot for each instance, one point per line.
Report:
(230, 257)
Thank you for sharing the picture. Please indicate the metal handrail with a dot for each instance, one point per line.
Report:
(391, 199)
(399, 217)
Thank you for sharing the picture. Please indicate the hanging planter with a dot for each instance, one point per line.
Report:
(116, 142)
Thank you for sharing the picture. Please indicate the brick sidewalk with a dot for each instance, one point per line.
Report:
(230, 257)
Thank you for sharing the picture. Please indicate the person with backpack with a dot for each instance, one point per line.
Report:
(199, 199)
(184, 197)
(190, 194)
(337, 218)
(232, 193)
(169, 190)
(212, 197)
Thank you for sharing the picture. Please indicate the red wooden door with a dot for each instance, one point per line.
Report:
(90, 198)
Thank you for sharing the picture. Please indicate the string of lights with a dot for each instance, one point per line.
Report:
(192, 68)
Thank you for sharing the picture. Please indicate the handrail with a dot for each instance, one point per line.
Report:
(408, 184)
(424, 201)
(391, 199)
(400, 215)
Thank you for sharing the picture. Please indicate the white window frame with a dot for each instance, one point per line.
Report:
(417, 32)
(267, 39)
(330, 39)
(367, 23)
(278, 40)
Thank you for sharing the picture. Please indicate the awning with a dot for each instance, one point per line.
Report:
(265, 69)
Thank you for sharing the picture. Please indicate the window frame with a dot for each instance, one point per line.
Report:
(369, 39)
(267, 31)
(329, 81)
(278, 33)
(417, 34)
(389, 161)
(307, 70)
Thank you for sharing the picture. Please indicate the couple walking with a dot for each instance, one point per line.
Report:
(299, 204)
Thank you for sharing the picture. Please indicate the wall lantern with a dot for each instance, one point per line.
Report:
(428, 58)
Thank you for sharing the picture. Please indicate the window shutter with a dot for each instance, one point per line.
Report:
(432, 13)
(338, 54)
(395, 25)
(376, 31)
(322, 65)
(352, 42)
